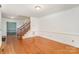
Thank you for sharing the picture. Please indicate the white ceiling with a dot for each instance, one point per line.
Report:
(29, 10)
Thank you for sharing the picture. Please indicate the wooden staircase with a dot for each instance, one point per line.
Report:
(23, 30)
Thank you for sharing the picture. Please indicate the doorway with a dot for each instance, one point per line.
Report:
(11, 28)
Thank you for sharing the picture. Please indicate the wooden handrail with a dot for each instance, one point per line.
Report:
(24, 25)
(23, 29)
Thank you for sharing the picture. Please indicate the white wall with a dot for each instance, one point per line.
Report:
(19, 22)
(62, 22)
(62, 27)
(34, 24)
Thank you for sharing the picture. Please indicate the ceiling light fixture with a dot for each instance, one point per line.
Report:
(12, 17)
(37, 7)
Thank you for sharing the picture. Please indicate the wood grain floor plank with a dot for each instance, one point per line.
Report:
(36, 45)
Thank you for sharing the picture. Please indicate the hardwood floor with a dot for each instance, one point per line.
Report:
(36, 45)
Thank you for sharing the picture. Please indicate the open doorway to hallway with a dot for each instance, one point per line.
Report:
(11, 28)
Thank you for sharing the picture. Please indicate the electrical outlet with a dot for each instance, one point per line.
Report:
(33, 33)
(72, 40)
